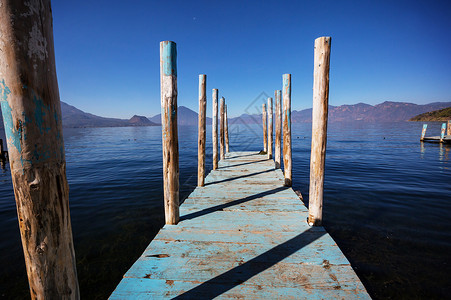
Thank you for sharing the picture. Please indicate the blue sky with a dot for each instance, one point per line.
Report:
(107, 52)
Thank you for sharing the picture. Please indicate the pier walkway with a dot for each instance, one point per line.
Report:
(242, 236)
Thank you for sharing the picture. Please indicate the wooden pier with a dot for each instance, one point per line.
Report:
(242, 235)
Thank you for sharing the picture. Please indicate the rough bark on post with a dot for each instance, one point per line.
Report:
(214, 128)
(168, 78)
(265, 129)
(31, 109)
(221, 131)
(286, 92)
(226, 129)
(277, 148)
(202, 130)
(270, 128)
(319, 129)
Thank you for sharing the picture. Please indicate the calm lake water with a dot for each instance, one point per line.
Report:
(387, 202)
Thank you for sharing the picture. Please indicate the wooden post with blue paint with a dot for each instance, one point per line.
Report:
(277, 145)
(31, 109)
(226, 129)
(319, 129)
(221, 129)
(270, 128)
(423, 132)
(168, 78)
(265, 128)
(442, 133)
(202, 130)
(286, 95)
(214, 128)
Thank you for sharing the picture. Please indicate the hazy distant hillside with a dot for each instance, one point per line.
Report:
(73, 117)
(436, 115)
(185, 116)
(384, 112)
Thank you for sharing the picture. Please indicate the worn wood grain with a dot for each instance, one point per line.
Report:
(286, 92)
(222, 129)
(319, 129)
(270, 128)
(202, 130)
(277, 145)
(214, 129)
(30, 103)
(265, 128)
(168, 78)
(242, 237)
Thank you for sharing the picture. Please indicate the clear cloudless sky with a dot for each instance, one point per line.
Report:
(107, 52)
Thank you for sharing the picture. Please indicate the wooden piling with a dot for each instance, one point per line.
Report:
(31, 109)
(423, 132)
(214, 129)
(286, 93)
(226, 129)
(448, 128)
(221, 131)
(202, 130)
(270, 128)
(265, 128)
(442, 133)
(168, 77)
(319, 129)
(277, 146)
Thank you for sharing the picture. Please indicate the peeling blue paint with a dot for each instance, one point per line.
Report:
(442, 134)
(13, 135)
(40, 111)
(169, 55)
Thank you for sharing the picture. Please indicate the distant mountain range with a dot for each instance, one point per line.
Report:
(384, 112)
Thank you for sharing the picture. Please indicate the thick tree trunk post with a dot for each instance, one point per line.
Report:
(286, 92)
(265, 128)
(202, 129)
(448, 128)
(168, 75)
(221, 129)
(31, 109)
(319, 129)
(270, 128)
(214, 129)
(226, 131)
(423, 132)
(277, 147)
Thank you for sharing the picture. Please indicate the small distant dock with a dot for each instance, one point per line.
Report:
(243, 236)
(444, 137)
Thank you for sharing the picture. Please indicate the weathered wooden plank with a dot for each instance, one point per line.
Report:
(243, 235)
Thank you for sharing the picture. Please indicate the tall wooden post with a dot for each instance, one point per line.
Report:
(214, 128)
(448, 128)
(31, 110)
(221, 131)
(423, 132)
(202, 130)
(319, 129)
(168, 78)
(226, 129)
(286, 92)
(265, 128)
(277, 148)
(442, 133)
(270, 128)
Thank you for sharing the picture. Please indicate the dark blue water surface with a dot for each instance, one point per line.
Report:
(387, 202)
